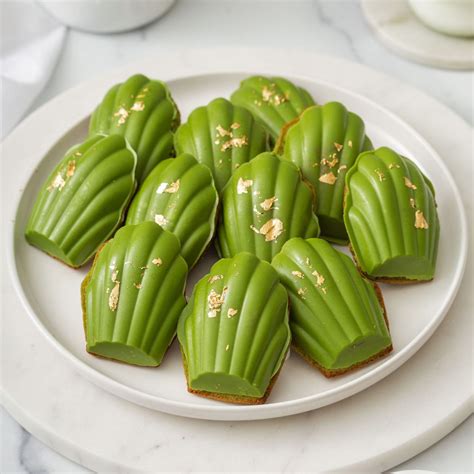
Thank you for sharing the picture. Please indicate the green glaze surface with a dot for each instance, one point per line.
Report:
(264, 204)
(234, 333)
(391, 217)
(83, 200)
(336, 318)
(179, 194)
(274, 101)
(142, 110)
(222, 137)
(324, 143)
(134, 294)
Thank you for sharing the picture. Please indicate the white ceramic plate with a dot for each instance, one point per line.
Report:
(50, 291)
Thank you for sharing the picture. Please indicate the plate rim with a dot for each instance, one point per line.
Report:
(231, 412)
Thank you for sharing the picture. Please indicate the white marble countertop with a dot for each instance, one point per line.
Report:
(331, 27)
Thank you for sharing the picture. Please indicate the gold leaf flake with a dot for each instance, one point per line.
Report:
(298, 274)
(57, 183)
(380, 175)
(232, 312)
(122, 115)
(216, 142)
(324, 290)
(420, 221)
(114, 296)
(137, 285)
(255, 229)
(138, 106)
(393, 165)
(266, 93)
(308, 262)
(235, 126)
(114, 275)
(160, 219)
(71, 168)
(412, 203)
(342, 168)
(215, 301)
(332, 163)
(271, 229)
(215, 278)
(77, 153)
(302, 292)
(319, 278)
(157, 261)
(349, 143)
(338, 146)
(243, 184)
(173, 187)
(328, 178)
(268, 203)
(235, 142)
(223, 132)
(408, 183)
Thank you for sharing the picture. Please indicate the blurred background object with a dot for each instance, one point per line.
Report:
(106, 16)
(402, 26)
(451, 17)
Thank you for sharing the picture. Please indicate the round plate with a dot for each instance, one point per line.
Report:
(50, 291)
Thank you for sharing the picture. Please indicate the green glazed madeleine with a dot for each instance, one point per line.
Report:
(180, 196)
(391, 218)
(234, 332)
(264, 204)
(133, 295)
(143, 111)
(324, 143)
(83, 200)
(221, 136)
(274, 101)
(337, 316)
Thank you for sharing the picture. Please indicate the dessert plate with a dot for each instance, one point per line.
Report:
(49, 290)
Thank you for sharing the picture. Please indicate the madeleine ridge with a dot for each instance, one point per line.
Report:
(133, 295)
(391, 218)
(180, 196)
(264, 204)
(221, 136)
(324, 143)
(83, 200)
(143, 111)
(337, 316)
(273, 101)
(234, 332)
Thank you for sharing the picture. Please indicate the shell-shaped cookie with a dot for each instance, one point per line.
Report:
(133, 295)
(274, 101)
(180, 196)
(234, 333)
(221, 136)
(337, 316)
(391, 218)
(324, 143)
(143, 111)
(264, 204)
(83, 200)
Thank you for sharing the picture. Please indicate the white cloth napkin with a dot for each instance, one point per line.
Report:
(31, 42)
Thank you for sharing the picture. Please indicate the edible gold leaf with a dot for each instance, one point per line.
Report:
(161, 220)
(328, 178)
(319, 278)
(420, 221)
(243, 184)
(114, 296)
(268, 203)
(157, 261)
(231, 312)
(298, 274)
(408, 183)
(215, 278)
(272, 229)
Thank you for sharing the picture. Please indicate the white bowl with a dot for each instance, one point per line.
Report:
(106, 16)
(452, 17)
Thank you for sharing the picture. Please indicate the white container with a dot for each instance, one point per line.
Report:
(452, 17)
(106, 16)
